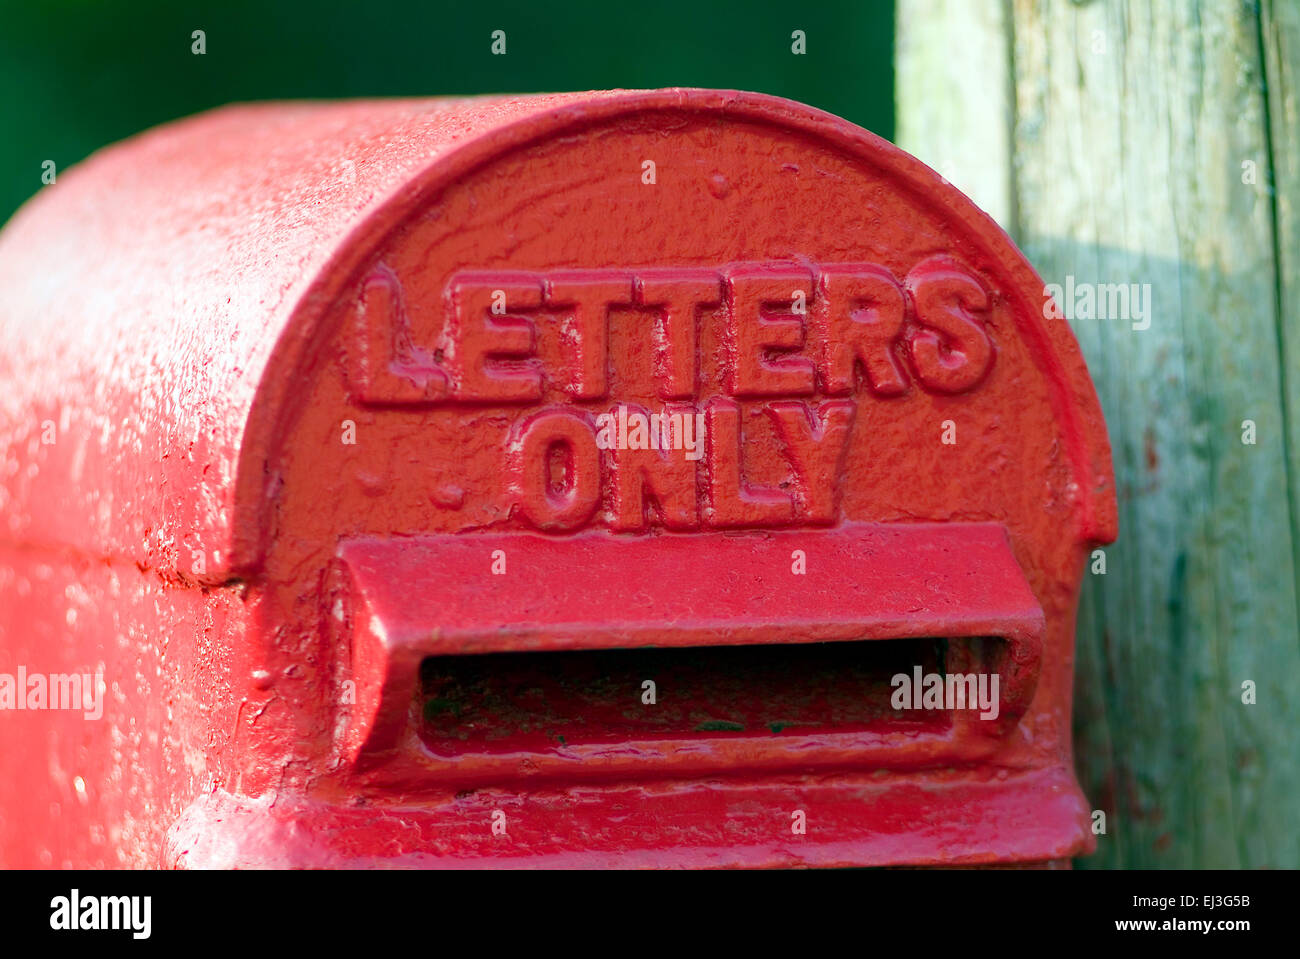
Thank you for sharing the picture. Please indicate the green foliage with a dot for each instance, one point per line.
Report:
(79, 75)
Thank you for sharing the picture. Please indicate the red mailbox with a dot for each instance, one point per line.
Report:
(647, 478)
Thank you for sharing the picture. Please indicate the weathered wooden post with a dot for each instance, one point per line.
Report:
(1146, 157)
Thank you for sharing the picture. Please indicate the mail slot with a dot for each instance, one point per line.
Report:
(642, 478)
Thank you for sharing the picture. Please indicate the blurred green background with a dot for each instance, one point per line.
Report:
(76, 75)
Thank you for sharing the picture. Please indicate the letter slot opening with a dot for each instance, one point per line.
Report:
(716, 709)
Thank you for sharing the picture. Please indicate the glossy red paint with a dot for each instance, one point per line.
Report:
(324, 445)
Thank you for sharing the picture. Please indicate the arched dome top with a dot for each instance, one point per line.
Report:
(164, 298)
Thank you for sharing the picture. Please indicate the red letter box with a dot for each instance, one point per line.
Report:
(422, 483)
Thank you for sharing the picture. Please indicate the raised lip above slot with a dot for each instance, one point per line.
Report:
(413, 597)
